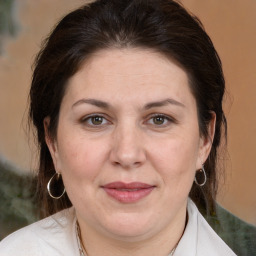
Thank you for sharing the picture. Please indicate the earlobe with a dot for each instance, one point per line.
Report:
(206, 141)
(211, 127)
(51, 143)
(47, 136)
(211, 130)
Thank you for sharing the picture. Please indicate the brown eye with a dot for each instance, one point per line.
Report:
(97, 120)
(159, 120)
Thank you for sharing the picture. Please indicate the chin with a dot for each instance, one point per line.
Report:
(129, 227)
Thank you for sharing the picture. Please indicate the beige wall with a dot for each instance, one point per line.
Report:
(231, 25)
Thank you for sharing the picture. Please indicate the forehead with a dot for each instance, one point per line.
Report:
(122, 71)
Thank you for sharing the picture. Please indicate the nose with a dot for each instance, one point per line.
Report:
(127, 149)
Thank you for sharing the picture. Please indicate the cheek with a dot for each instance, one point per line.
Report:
(81, 163)
(176, 159)
(80, 157)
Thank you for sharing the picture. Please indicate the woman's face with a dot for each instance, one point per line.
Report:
(128, 143)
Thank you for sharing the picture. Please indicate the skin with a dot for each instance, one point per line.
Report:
(128, 143)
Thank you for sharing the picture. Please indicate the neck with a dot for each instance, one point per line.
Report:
(161, 244)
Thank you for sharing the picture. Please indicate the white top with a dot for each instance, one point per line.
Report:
(56, 236)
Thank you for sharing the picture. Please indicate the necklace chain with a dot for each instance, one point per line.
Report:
(171, 253)
(82, 250)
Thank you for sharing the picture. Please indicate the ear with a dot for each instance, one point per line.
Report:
(205, 144)
(51, 143)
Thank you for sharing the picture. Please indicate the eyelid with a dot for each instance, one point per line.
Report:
(85, 118)
(167, 117)
(92, 115)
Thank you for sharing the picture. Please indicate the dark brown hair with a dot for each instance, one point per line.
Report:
(162, 25)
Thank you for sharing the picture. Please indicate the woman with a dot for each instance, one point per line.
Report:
(126, 99)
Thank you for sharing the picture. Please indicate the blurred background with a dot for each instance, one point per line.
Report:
(24, 24)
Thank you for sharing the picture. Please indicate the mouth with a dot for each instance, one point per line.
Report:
(128, 192)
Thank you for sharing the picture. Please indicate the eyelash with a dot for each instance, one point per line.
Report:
(167, 120)
(88, 120)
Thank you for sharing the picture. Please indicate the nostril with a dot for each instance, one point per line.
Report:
(127, 165)
(127, 151)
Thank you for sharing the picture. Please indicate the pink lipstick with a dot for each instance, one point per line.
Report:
(128, 192)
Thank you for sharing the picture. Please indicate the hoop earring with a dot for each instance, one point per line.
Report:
(49, 186)
(205, 177)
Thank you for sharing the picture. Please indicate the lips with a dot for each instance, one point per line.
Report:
(128, 192)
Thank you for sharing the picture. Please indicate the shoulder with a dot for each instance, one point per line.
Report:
(199, 238)
(209, 243)
(238, 234)
(43, 237)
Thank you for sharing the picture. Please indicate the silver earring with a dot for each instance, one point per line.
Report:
(55, 186)
(205, 177)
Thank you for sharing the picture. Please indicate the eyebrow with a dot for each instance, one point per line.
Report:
(97, 103)
(103, 104)
(163, 103)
